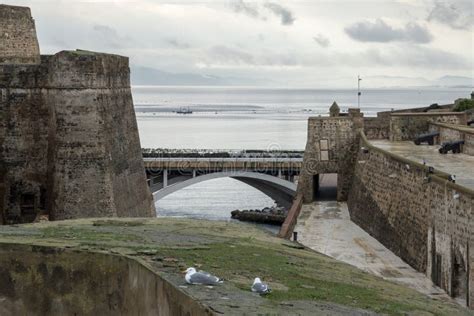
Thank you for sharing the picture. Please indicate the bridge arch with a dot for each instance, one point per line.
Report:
(282, 191)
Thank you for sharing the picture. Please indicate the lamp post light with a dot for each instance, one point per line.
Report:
(358, 91)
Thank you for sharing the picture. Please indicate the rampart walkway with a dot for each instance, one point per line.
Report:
(460, 165)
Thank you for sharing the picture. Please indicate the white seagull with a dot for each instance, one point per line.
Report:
(259, 287)
(201, 277)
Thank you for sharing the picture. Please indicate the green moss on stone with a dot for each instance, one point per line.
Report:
(238, 253)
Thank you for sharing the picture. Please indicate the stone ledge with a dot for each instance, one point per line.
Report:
(461, 128)
(429, 114)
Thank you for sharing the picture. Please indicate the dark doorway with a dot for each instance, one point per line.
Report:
(315, 186)
(325, 187)
(436, 269)
(459, 280)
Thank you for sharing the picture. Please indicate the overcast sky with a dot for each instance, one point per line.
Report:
(293, 43)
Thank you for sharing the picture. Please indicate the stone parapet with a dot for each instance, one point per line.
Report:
(88, 70)
(450, 132)
(406, 126)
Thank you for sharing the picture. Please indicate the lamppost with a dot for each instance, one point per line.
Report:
(358, 91)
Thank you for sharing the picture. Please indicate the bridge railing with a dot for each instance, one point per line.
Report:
(215, 153)
(278, 159)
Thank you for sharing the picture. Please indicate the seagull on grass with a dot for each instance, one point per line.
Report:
(201, 277)
(259, 287)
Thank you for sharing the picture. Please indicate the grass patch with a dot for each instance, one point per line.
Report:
(238, 253)
(118, 223)
(306, 277)
(88, 236)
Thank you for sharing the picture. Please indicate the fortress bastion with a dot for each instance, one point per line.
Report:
(69, 144)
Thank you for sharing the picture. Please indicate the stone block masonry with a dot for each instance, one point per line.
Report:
(19, 44)
(406, 126)
(448, 132)
(69, 139)
(423, 218)
(330, 149)
(415, 211)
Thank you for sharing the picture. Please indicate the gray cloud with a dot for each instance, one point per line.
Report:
(457, 14)
(381, 32)
(322, 40)
(227, 55)
(241, 6)
(109, 36)
(177, 44)
(419, 57)
(286, 15)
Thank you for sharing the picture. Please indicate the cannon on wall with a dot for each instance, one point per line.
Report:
(426, 138)
(455, 146)
(471, 122)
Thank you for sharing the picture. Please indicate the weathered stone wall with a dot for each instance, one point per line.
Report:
(19, 44)
(377, 127)
(406, 126)
(69, 138)
(48, 281)
(24, 143)
(97, 150)
(71, 141)
(330, 149)
(454, 133)
(424, 220)
(468, 147)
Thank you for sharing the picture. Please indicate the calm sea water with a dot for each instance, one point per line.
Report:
(248, 118)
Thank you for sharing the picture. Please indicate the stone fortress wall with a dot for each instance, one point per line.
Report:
(406, 126)
(70, 145)
(424, 218)
(18, 36)
(417, 213)
(330, 149)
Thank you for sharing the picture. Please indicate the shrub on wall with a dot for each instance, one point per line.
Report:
(463, 105)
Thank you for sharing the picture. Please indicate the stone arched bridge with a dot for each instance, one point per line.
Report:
(275, 176)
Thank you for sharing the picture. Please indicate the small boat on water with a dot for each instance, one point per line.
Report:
(184, 110)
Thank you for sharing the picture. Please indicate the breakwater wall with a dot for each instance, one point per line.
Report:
(36, 280)
(421, 216)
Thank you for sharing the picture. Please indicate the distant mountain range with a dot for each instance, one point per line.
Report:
(405, 82)
(151, 76)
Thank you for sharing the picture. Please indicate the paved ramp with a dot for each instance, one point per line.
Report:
(460, 165)
(326, 227)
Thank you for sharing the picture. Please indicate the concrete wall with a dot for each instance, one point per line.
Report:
(52, 281)
(406, 126)
(17, 36)
(330, 149)
(428, 222)
(449, 132)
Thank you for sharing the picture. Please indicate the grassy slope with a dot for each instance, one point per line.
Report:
(238, 253)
